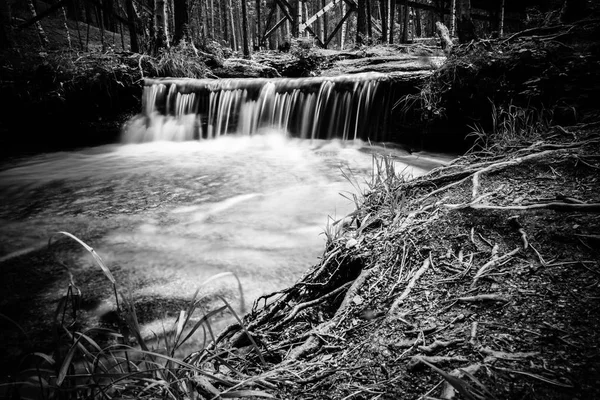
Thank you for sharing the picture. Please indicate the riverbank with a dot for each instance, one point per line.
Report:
(477, 280)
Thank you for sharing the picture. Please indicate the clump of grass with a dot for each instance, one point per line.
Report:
(108, 363)
(510, 126)
(378, 197)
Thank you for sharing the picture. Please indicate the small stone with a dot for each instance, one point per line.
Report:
(357, 300)
(351, 243)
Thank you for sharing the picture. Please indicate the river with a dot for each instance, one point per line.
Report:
(167, 216)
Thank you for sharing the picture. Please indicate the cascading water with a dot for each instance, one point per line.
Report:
(344, 107)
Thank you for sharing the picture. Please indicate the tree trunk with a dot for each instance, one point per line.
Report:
(182, 21)
(212, 19)
(325, 21)
(161, 39)
(418, 26)
(107, 13)
(67, 31)
(233, 38)
(361, 23)
(444, 35)
(384, 23)
(369, 23)
(246, 48)
(573, 10)
(452, 18)
(38, 26)
(6, 30)
(133, 38)
(501, 19)
(344, 26)
(406, 22)
(392, 18)
(224, 20)
(465, 26)
(258, 25)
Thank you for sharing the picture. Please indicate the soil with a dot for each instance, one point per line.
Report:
(480, 280)
(438, 286)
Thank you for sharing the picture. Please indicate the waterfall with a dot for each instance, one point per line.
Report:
(343, 107)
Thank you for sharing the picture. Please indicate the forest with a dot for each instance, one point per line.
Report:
(477, 279)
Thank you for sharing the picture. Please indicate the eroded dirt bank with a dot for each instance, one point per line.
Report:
(479, 280)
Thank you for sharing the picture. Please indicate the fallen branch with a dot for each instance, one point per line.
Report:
(507, 356)
(483, 297)
(437, 344)
(417, 361)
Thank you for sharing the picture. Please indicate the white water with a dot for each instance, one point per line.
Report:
(169, 215)
(345, 107)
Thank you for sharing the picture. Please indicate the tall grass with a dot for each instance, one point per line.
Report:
(379, 195)
(510, 126)
(100, 363)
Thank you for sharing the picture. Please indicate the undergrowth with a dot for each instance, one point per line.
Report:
(101, 363)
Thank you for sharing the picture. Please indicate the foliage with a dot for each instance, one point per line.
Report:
(513, 73)
(305, 59)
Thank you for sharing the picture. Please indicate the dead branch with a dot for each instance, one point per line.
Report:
(507, 356)
(409, 287)
(437, 344)
(473, 339)
(483, 297)
(492, 263)
(417, 361)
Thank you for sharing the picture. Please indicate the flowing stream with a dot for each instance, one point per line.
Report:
(167, 216)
